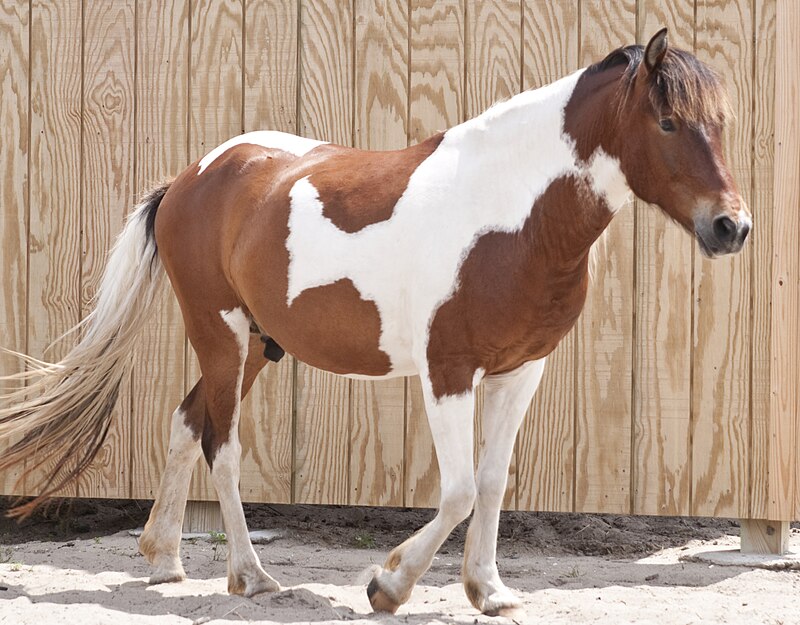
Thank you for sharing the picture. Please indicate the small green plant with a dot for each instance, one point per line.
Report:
(96, 540)
(218, 538)
(218, 541)
(16, 566)
(364, 541)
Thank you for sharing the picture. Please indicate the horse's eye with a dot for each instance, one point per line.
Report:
(667, 125)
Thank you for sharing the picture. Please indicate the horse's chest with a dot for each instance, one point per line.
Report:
(498, 325)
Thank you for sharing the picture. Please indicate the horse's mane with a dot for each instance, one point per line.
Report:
(683, 84)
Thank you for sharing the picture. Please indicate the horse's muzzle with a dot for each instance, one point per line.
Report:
(723, 234)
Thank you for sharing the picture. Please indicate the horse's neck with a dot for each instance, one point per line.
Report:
(520, 148)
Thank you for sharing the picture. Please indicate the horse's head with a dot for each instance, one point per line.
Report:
(670, 114)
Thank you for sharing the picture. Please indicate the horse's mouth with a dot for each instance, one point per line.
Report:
(705, 249)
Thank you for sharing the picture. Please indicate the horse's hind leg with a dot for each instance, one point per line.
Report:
(161, 539)
(451, 426)
(506, 399)
(229, 367)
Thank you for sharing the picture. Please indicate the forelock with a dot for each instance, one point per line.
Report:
(683, 85)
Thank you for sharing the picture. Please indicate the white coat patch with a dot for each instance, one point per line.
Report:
(265, 138)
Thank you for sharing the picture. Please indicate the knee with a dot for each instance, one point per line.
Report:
(458, 500)
(492, 483)
(183, 437)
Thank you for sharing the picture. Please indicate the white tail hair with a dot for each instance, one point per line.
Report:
(61, 412)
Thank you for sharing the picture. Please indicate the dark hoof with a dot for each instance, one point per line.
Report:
(379, 600)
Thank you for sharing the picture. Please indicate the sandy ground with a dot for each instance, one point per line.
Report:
(89, 576)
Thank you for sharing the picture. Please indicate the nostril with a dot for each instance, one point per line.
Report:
(724, 228)
(745, 231)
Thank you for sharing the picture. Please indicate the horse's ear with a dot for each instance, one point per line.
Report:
(655, 50)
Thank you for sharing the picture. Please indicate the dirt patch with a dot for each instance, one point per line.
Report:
(69, 519)
(384, 528)
(519, 532)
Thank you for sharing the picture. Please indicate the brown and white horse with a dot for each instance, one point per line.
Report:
(461, 259)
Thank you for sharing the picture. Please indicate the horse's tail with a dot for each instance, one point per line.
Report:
(60, 413)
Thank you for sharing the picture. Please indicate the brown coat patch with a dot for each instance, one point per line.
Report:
(358, 188)
(519, 293)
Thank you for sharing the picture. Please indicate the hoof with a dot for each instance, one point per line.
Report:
(167, 572)
(166, 578)
(502, 604)
(379, 600)
(249, 585)
(511, 612)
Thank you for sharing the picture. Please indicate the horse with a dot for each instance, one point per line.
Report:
(464, 258)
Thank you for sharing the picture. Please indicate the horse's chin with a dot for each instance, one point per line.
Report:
(705, 250)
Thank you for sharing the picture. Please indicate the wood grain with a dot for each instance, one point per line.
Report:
(493, 73)
(14, 148)
(783, 419)
(545, 452)
(161, 151)
(215, 115)
(270, 103)
(662, 345)
(436, 88)
(762, 207)
(270, 72)
(107, 191)
(721, 364)
(605, 331)
(322, 400)
(326, 71)
(322, 442)
(56, 155)
(436, 102)
(422, 488)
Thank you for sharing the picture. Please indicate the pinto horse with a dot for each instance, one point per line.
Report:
(461, 259)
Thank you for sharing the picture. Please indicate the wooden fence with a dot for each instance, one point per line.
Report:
(674, 394)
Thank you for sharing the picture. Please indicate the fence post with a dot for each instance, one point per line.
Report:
(202, 516)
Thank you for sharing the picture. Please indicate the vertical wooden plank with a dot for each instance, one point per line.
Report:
(493, 72)
(107, 181)
(545, 453)
(764, 107)
(270, 102)
(215, 115)
(14, 148)
(436, 102)
(161, 152)
(322, 400)
(381, 74)
(783, 424)
(55, 176)
(381, 123)
(604, 336)
(721, 368)
(662, 349)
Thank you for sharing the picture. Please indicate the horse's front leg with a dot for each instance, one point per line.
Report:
(506, 399)
(451, 424)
